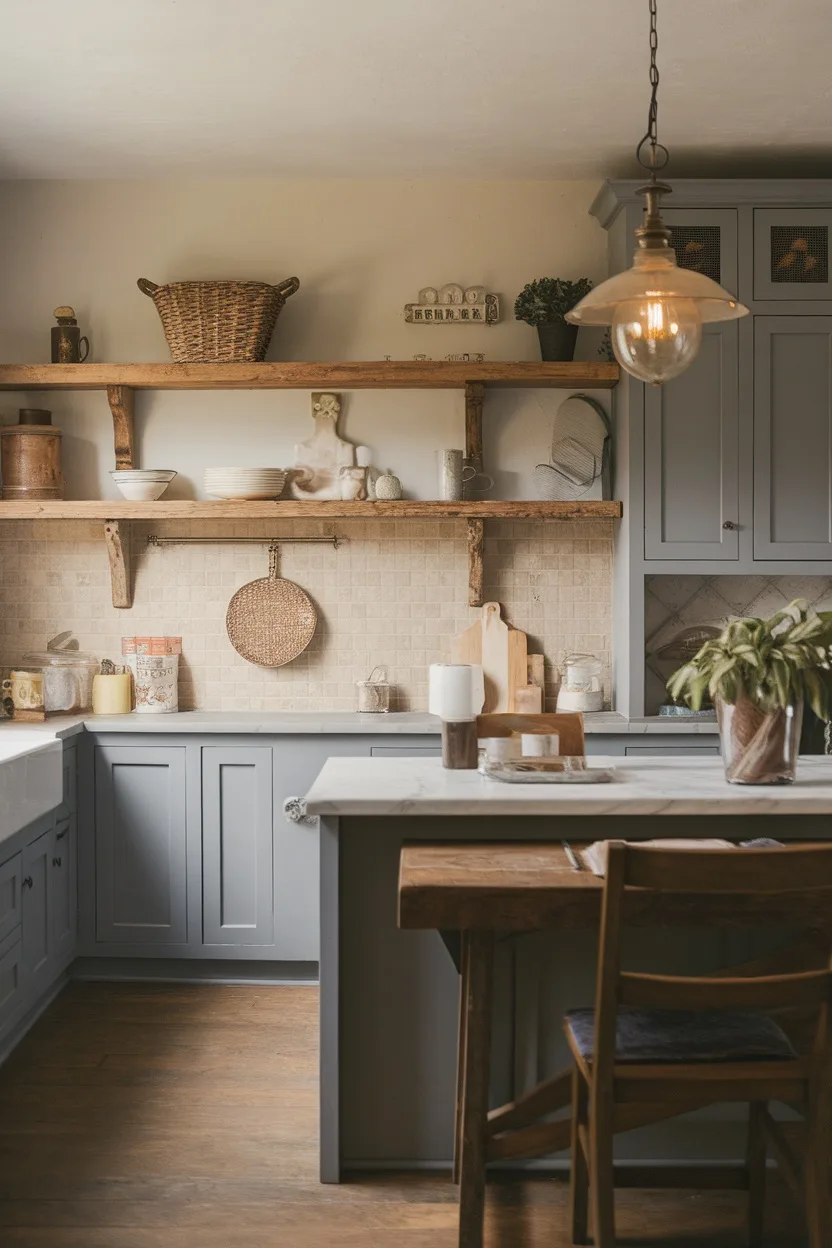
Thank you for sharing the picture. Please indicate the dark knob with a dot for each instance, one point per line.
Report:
(56, 862)
(59, 836)
(728, 524)
(28, 882)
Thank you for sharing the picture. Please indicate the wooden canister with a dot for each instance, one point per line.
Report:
(30, 456)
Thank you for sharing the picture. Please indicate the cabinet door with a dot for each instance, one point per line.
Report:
(140, 846)
(237, 866)
(36, 913)
(793, 253)
(11, 978)
(691, 464)
(792, 437)
(63, 883)
(10, 872)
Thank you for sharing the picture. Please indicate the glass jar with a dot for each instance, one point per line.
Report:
(67, 679)
(759, 746)
(581, 688)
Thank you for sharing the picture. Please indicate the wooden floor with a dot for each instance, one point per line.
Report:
(185, 1117)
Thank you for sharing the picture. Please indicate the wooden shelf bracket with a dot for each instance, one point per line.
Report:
(120, 399)
(117, 539)
(476, 542)
(474, 397)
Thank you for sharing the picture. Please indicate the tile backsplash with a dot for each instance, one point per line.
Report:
(392, 593)
(672, 603)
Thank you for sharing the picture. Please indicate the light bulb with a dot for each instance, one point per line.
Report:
(655, 338)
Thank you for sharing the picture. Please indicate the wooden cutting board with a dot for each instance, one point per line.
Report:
(501, 650)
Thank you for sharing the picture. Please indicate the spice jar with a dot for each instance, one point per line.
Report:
(30, 456)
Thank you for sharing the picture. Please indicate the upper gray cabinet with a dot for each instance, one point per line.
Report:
(691, 479)
(792, 437)
(237, 850)
(792, 253)
(691, 490)
(140, 845)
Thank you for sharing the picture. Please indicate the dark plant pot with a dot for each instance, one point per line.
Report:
(557, 340)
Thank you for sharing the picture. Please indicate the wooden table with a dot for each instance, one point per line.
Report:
(479, 889)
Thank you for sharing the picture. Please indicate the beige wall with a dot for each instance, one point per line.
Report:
(361, 250)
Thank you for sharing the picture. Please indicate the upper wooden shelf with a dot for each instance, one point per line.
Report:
(349, 375)
(402, 509)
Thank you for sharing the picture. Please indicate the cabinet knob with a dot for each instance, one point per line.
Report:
(294, 809)
(728, 524)
(59, 836)
(27, 882)
(56, 862)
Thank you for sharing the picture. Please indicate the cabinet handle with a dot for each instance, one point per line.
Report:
(56, 862)
(27, 882)
(728, 524)
(59, 836)
(294, 808)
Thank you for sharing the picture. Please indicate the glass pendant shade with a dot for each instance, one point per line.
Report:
(656, 311)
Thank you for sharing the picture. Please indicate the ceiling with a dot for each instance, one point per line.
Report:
(409, 88)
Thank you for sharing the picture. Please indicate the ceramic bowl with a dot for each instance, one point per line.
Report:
(142, 485)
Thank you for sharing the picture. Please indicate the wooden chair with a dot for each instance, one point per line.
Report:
(568, 724)
(630, 1051)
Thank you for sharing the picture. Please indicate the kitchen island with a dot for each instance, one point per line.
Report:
(389, 997)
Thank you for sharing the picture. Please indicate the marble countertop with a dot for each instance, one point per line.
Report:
(320, 723)
(660, 786)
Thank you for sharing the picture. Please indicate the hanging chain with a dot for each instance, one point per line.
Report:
(659, 155)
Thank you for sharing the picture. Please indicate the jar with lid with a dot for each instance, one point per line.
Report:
(581, 688)
(50, 682)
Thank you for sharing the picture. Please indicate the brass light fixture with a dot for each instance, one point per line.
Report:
(656, 309)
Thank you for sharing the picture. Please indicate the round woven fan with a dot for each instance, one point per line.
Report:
(271, 621)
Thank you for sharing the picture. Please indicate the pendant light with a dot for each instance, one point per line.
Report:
(656, 309)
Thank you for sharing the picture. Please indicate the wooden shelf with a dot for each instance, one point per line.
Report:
(348, 375)
(404, 509)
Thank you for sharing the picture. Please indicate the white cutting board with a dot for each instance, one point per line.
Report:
(319, 461)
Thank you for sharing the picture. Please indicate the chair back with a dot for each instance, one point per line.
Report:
(798, 880)
(569, 725)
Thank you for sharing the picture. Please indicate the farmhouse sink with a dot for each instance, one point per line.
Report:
(31, 780)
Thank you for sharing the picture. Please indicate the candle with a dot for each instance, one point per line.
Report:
(456, 691)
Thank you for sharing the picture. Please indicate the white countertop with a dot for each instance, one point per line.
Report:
(660, 786)
(322, 723)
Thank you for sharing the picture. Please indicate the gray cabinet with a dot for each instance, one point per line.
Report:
(793, 437)
(36, 913)
(691, 456)
(11, 977)
(64, 890)
(237, 852)
(792, 253)
(10, 878)
(140, 845)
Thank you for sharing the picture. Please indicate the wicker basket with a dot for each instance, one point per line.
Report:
(206, 322)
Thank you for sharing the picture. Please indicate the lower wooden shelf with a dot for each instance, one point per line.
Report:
(114, 516)
(401, 509)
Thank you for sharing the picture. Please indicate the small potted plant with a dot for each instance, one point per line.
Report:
(544, 303)
(758, 674)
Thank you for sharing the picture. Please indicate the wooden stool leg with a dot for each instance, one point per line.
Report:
(460, 1056)
(480, 962)
(818, 1167)
(579, 1176)
(756, 1166)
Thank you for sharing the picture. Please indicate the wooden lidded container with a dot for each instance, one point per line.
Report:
(30, 456)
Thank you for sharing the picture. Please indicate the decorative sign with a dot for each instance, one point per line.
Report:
(451, 305)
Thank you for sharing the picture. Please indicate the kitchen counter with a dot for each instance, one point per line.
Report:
(389, 998)
(328, 723)
(685, 786)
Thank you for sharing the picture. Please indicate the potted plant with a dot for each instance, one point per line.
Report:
(758, 673)
(544, 303)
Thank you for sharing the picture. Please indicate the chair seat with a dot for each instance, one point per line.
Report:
(685, 1036)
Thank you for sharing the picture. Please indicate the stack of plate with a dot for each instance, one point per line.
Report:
(250, 483)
